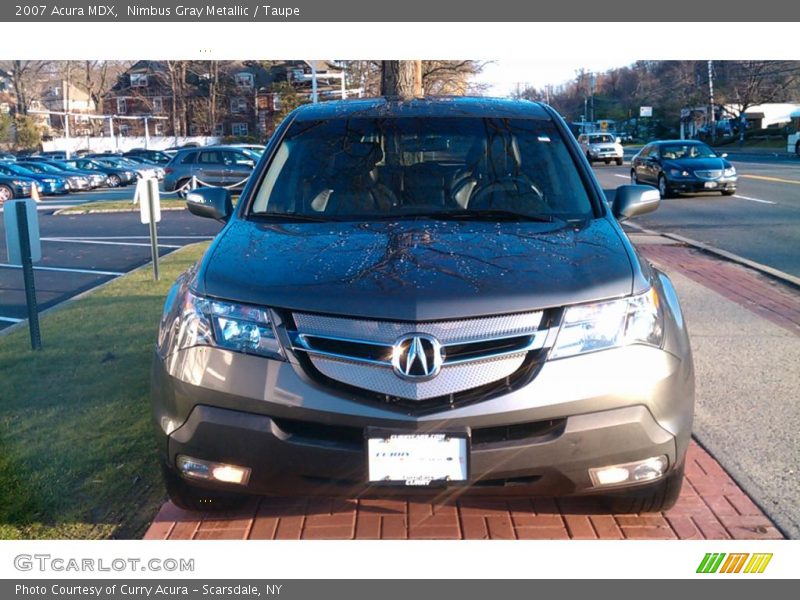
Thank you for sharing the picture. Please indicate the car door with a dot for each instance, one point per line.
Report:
(238, 167)
(640, 163)
(210, 168)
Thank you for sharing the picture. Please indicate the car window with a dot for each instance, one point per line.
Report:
(682, 151)
(359, 167)
(210, 157)
(237, 158)
(189, 158)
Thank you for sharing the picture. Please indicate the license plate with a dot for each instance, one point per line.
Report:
(417, 459)
(711, 184)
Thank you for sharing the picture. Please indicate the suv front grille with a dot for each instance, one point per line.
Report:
(468, 353)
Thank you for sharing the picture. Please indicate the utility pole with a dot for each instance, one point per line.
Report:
(313, 81)
(591, 84)
(711, 121)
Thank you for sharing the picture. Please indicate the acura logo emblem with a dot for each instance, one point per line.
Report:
(417, 356)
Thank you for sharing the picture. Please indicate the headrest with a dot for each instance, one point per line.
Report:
(357, 157)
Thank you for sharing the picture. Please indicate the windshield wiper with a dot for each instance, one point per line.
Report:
(494, 214)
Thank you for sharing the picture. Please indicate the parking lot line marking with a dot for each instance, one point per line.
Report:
(767, 178)
(11, 320)
(65, 270)
(105, 243)
(754, 199)
(623, 176)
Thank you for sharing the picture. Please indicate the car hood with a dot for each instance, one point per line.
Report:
(697, 164)
(416, 270)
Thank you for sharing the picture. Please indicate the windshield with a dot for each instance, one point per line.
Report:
(678, 151)
(439, 167)
(601, 139)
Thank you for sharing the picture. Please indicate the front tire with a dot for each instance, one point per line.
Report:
(663, 187)
(728, 192)
(189, 497)
(6, 193)
(797, 149)
(658, 497)
(634, 177)
(619, 162)
(114, 181)
(589, 158)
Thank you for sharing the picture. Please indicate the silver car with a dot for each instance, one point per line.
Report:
(418, 296)
(226, 166)
(602, 147)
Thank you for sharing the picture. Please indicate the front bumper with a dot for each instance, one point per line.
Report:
(694, 186)
(297, 436)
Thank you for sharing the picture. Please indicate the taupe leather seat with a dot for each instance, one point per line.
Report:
(352, 185)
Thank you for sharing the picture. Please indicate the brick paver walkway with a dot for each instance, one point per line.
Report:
(711, 505)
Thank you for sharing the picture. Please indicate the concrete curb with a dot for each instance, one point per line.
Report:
(785, 278)
(63, 211)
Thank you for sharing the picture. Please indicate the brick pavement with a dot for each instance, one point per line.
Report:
(711, 505)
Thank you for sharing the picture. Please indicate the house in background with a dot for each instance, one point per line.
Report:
(223, 99)
(61, 97)
(7, 98)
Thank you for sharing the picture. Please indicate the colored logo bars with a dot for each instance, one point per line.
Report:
(734, 563)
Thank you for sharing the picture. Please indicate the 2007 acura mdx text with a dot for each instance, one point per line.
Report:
(421, 294)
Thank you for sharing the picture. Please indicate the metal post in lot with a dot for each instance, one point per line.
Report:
(152, 199)
(27, 273)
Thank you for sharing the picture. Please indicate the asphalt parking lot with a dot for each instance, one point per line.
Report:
(80, 252)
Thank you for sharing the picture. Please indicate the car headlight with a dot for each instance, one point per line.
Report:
(679, 173)
(603, 325)
(729, 172)
(48, 180)
(237, 327)
(20, 182)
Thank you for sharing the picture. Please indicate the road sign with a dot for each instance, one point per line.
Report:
(149, 200)
(13, 245)
(150, 213)
(645, 111)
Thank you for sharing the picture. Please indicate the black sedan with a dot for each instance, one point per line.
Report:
(15, 187)
(683, 167)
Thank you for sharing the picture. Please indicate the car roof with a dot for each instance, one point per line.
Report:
(205, 148)
(436, 106)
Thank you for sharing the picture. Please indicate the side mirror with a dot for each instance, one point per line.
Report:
(634, 200)
(210, 202)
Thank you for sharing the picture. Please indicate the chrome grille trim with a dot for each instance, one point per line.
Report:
(447, 332)
(712, 174)
(359, 352)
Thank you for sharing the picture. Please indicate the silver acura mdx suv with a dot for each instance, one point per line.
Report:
(417, 295)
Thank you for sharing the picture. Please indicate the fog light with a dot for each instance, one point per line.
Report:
(632, 472)
(213, 471)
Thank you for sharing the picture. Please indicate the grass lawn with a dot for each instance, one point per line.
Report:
(116, 206)
(77, 447)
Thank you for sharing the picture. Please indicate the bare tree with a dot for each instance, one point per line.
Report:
(24, 79)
